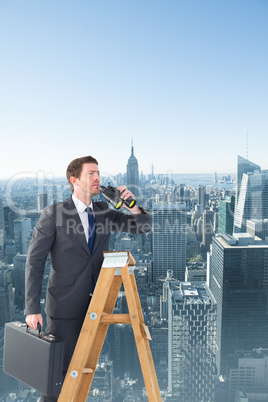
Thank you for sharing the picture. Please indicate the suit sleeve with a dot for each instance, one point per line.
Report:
(41, 243)
(137, 224)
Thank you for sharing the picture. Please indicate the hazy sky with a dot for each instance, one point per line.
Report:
(183, 78)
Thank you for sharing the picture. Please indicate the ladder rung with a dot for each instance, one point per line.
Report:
(115, 318)
(87, 371)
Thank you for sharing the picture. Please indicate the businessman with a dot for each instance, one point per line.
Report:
(75, 233)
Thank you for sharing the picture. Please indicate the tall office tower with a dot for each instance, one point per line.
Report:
(159, 348)
(258, 227)
(10, 250)
(181, 192)
(238, 281)
(191, 312)
(19, 262)
(208, 228)
(133, 173)
(243, 166)
(22, 227)
(7, 310)
(187, 199)
(3, 376)
(201, 192)
(9, 217)
(226, 215)
(199, 229)
(248, 370)
(252, 202)
(169, 240)
(42, 201)
(152, 172)
(216, 221)
(2, 225)
(215, 177)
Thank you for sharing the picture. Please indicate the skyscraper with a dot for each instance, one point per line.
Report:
(208, 228)
(238, 281)
(191, 315)
(201, 197)
(243, 166)
(22, 228)
(42, 201)
(181, 192)
(252, 201)
(133, 173)
(249, 370)
(169, 240)
(258, 227)
(226, 215)
(7, 310)
(9, 217)
(10, 250)
(2, 229)
(19, 279)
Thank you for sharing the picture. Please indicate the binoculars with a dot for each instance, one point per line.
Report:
(112, 195)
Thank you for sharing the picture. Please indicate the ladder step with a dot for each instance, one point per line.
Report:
(87, 371)
(115, 318)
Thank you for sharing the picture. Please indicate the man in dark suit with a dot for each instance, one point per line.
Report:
(64, 231)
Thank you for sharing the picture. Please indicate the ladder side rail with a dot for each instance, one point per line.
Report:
(143, 347)
(95, 352)
(85, 343)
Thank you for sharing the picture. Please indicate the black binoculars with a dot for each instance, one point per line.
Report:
(112, 195)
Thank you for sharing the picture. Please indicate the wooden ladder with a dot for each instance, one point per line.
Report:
(117, 267)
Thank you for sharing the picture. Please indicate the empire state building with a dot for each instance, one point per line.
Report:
(133, 173)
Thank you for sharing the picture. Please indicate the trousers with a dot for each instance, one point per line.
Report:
(67, 330)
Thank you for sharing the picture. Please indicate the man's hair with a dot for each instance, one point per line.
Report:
(75, 167)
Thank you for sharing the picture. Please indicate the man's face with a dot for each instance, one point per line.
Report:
(89, 181)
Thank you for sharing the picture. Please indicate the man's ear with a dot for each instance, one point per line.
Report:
(73, 180)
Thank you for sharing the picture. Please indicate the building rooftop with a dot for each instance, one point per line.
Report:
(241, 240)
(258, 220)
(252, 354)
(245, 392)
(185, 292)
(169, 205)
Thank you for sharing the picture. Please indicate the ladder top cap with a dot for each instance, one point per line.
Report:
(117, 259)
(120, 254)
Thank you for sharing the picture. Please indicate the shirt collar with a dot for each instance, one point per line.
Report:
(79, 205)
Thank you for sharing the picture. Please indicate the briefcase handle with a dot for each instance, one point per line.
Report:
(38, 327)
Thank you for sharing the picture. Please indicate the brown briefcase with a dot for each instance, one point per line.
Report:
(33, 358)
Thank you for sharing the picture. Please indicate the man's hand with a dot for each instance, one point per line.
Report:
(125, 194)
(33, 319)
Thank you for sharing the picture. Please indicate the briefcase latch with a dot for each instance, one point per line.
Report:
(20, 324)
(50, 337)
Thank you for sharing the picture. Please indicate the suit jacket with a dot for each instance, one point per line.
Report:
(60, 232)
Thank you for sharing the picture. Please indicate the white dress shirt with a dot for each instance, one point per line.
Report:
(80, 206)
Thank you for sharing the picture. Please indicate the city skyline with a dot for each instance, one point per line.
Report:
(189, 329)
(183, 79)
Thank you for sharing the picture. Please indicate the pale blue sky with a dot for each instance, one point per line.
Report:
(180, 77)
